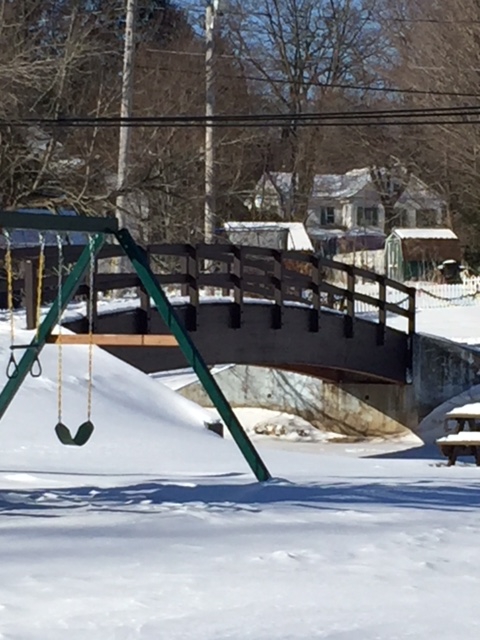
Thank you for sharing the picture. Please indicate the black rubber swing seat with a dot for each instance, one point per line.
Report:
(82, 436)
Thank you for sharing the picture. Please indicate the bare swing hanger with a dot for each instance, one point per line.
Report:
(86, 429)
(12, 366)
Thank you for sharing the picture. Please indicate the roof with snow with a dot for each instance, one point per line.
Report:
(327, 185)
(425, 234)
(297, 237)
(347, 185)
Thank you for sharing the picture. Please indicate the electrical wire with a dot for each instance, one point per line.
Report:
(463, 112)
(366, 18)
(313, 83)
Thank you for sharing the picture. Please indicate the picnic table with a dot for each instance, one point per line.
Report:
(464, 440)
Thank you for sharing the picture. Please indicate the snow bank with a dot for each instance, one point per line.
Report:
(141, 425)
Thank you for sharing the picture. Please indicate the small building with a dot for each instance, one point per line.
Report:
(274, 235)
(416, 254)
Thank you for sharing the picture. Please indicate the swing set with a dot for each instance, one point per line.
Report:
(86, 429)
(97, 229)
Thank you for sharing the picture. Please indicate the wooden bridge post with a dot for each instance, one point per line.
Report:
(92, 297)
(145, 305)
(411, 331)
(350, 293)
(192, 288)
(314, 323)
(30, 293)
(382, 312)
(277, 309)
(411, 310)
(237, 278)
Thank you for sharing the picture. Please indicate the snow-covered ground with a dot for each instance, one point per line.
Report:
(460, 324)
(157, 528)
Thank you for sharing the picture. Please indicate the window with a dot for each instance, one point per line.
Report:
(327, 215)
(367, 216)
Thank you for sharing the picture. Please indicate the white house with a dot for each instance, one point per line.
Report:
(350, 201)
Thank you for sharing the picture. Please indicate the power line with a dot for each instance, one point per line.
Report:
(323, 85)
(461, 110)
(424, 116)
(377, 20)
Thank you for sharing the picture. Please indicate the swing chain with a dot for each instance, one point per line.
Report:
(59, 322)
(12, 366)
(36, 369)
(40, 274)
(91, 293)
(85, 430)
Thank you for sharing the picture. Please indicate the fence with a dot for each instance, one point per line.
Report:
(429, 295)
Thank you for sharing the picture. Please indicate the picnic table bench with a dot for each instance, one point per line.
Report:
(462, 442)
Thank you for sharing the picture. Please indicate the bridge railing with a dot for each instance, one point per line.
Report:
(239, 273)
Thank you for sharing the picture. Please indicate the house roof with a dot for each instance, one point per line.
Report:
(297, 238)
(425, 234)
(428, 245)
(326, 185)
(340, 185)
(347, 185)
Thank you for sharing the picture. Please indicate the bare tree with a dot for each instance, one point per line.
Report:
(298, 49)
(438, 61)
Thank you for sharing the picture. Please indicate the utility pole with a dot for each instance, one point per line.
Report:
(125, 111)
(209, 218)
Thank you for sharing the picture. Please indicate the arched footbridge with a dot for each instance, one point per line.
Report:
(252, 305)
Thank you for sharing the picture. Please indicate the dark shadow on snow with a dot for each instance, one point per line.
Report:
(152, 497)
(424, 452)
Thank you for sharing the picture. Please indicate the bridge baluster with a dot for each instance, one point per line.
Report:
(30, 293)
(145, 302)
(237, 278)
(314, 323)
(192, 288)
(277, 309)
(350, 295)
(411, 310)
(92, 297)
(382, 311)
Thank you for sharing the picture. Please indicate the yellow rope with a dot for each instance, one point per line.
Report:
(90, 376)
(41, 268)
(60, 378)
(90, 330)
(59, 322)
(9, 266)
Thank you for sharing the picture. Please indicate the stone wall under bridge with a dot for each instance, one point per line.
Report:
(441, 370)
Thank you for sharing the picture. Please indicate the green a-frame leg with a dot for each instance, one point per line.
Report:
(163, 305)
(191, 353)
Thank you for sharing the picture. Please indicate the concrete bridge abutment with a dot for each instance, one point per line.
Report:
(441, 370)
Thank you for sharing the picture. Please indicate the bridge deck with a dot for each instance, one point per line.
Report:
(326, 353)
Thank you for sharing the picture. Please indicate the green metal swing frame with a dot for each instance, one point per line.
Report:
(100, 228)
